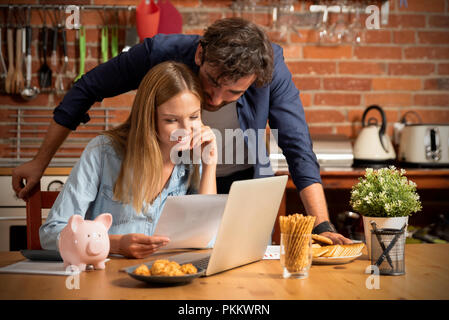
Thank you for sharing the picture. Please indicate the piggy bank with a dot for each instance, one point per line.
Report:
(84, 242)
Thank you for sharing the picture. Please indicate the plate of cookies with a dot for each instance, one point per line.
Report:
(165, 271)
(326, 252)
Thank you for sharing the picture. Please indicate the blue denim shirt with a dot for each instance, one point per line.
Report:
(89, 192)
(278, 102)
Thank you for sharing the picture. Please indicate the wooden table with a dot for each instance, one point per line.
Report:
(427, 277)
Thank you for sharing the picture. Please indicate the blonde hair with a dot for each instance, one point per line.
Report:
(136, 140)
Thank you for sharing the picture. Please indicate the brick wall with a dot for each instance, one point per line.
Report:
(403, 66)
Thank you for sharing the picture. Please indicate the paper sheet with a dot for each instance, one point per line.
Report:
(272, 253)
(40, 267)
(191, 221)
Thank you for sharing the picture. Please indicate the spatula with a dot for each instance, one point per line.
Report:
(44, 71)
(82, 44)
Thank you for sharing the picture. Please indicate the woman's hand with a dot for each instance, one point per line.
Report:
(136, 245)
(204, 139)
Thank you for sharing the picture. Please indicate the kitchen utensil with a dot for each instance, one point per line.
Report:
(424, 145)
(114, 41)
(59, 83)
(104, 44)
(147, 18)
(17, 80)
(82, 45)
(54, 56)
(28, 93)
(170, 18)
(10, 74)
(373, 148)
(131, 37)
(44, 71)
(3, 69)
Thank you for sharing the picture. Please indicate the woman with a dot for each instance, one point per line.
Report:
(130, 170)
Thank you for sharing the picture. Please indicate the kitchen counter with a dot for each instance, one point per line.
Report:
(427, 277)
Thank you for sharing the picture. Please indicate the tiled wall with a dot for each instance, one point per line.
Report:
(402, 66)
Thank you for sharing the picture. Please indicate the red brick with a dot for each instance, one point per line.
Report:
(404, 37)
(312, 68)
(437, 84)
(216, 3)
(423, 6)
(396, 84)
(438, 21)
(378, 52)
(426, 53)
(292, 51)
(314, 116)
(303, 83)
(351, 131)
(320, 129)
(390, 99)
(406, 21)
(361, 68)
(443, 68)
(327, 52)
(337, 99)
(433, 37)
(351, 84)
(123, 100)
(307, 36)
(10, 100)
(185, 3)
(306, 99)
(430, 115)
(414, 69)
(356, 115)
(377, 36)
(438, 100)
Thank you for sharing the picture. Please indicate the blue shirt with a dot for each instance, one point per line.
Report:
(88, 192)
(278, 102)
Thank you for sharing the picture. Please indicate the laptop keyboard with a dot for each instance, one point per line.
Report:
(202, 263)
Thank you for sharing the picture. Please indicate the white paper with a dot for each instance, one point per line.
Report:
(41, 267)
(272, 253)
(191, 221)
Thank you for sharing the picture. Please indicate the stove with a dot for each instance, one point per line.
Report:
(13, 212)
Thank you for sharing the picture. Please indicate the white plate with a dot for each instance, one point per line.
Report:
(335, 260)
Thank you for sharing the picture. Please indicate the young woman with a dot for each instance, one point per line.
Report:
(130, 170)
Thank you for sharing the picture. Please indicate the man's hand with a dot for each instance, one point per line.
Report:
(31, 172)
(137, 245)
(336, 238)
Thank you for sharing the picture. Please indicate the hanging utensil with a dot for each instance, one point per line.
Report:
(17, 80)
(54, 56)
(45, 71)
(114, 37)
(82, 45)
(59, 84)
(3, 69)
(10, 45)
(28, 93)
(131, 37)
(104, 44)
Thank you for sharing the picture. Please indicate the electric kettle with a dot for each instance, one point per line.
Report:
(373, 147)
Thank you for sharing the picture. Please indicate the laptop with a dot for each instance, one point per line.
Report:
(246, 226)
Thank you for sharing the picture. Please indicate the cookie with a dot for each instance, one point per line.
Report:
(322, 239)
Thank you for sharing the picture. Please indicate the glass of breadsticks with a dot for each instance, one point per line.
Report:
(296, 245)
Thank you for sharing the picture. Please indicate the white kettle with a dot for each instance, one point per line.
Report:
(373, 148)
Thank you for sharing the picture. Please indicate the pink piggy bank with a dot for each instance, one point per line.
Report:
(84, 242)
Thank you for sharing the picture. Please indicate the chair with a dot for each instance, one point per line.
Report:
(37, 200)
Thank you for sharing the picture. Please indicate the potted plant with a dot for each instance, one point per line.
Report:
(386, 197)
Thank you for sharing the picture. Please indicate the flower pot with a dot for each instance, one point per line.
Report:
(381, 223)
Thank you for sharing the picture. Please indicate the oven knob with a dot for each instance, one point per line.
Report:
(55, 185)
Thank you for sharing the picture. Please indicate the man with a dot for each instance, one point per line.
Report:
(246, 84)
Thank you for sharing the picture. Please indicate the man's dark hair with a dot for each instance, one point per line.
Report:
(238, 48)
